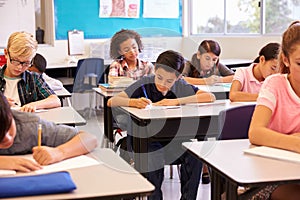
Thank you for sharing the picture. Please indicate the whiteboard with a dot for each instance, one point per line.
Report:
(16, 15)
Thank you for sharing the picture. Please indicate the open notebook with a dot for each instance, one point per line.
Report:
(274, 153)
(71, 163)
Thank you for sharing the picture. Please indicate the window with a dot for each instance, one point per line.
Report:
(242, 16)
(44, 19)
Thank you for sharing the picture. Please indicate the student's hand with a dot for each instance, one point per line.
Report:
(167, 102)
(46, 155)
(28, 108)
(11, 102)
(212, 80)
(140, 103)
(18, 164)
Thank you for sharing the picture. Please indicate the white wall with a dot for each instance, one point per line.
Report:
(232, 47)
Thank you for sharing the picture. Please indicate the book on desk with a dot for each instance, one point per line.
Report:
(111, 88)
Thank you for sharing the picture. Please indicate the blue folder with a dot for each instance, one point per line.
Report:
(52, 183)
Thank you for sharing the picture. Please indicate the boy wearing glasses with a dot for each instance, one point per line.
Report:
(21, 87)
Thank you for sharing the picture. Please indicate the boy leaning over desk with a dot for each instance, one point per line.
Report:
(19, 135)
(166, 88)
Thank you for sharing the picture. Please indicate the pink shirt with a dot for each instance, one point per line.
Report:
(277, 94)
(245, 76)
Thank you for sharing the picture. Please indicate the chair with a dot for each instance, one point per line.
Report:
(89, 73)
(234, 122)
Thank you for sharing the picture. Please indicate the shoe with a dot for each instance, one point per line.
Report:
(205, 178)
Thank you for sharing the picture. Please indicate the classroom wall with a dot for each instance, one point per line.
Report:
(232, 47)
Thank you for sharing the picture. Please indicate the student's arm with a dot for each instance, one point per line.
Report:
(122, 99)
(226, 79)
(51, 101)
(199, 97)
(18, 164)
(80, 144)
(236, 94)
(260, 134)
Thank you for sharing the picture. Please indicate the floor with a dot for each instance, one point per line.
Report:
(171, 187)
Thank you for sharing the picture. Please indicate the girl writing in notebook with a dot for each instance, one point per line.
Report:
(247, 81)
(205, 68)
(276, 119)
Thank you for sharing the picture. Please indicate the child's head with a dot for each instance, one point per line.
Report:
(39, 64)
(126, 44)
(268, 59)
(290, 48)
(208, 54)
(168, 69)
(21, 48)
(7, 128)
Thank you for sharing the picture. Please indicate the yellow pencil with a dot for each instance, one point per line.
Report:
(40, 135)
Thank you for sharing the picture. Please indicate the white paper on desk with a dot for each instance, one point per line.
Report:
(206, 104)
(274, 153)
(7, 172)
(71, 163)
(40, 110)
(152, 107)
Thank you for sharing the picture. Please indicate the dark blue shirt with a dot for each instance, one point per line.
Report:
(178, 90)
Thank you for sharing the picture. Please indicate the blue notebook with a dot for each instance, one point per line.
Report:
(52, 183)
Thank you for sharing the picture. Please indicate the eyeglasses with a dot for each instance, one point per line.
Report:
(17, 63)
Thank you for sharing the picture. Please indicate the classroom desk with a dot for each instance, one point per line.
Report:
(113, 178)
(63, 115)
(220, 90)
(236, 62)
(227, 160)
(63, 94)
(108, 123)
(186, 122)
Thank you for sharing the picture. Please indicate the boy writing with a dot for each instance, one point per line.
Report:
(19, 135)
(20, 86)
(166, 88)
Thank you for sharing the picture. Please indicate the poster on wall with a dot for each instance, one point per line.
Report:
(161, 9)
(119, 8)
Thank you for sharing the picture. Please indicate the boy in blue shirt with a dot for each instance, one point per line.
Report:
(166, 88)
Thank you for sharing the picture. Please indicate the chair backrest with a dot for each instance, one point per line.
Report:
(234, 122)
(89, 73)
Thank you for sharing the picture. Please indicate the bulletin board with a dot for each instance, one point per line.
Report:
(84, 15)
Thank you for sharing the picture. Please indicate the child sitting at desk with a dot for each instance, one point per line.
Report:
(248, 80)
(205, 68)
(276, 119)
(20, 86)
(39, 66)
(19, 135)
(166, 88)
(125, 47)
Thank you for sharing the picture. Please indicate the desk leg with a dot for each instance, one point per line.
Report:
(140, 147)
(216, 186)
(108, 127)
(231, 192)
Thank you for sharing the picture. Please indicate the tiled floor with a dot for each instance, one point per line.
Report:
(171, 187)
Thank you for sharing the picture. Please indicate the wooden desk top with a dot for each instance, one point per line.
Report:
(111, 179)
(227, 157)
(63, 115)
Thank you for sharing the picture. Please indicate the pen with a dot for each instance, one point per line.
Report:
(144, 90)
(40, 135)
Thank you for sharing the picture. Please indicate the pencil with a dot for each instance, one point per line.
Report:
(144, 90)
(40, 135)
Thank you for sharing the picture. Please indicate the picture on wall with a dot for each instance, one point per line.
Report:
(119, 8)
